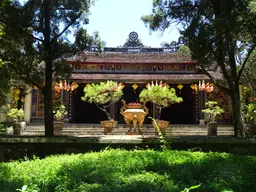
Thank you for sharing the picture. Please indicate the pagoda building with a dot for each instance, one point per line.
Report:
(134, 65)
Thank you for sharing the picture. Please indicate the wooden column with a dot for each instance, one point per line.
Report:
(201, 106)
(28, 106)
(70, 106)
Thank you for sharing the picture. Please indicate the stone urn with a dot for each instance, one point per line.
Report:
(16, 128)
(108, 125)
(163, 125)
(58, 127)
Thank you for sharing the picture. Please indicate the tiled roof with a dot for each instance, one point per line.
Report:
(132, 58)
(140, 77)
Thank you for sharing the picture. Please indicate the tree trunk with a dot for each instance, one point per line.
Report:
(159, 112)
(104, 109)
(238, 121)
(48, 113)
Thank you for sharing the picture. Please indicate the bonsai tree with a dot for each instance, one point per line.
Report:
(16, 114)
(212, 110)
(103, 95)
(159, 94)
(60, 113)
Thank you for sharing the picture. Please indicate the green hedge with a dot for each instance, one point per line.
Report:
(139, 170)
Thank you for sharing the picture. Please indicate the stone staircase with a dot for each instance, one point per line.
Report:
(95, 129)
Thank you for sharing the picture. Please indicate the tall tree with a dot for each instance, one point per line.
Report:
(39, 29)
(250, 72)
(220, 32)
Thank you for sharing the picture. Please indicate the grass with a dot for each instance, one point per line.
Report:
(138, 170)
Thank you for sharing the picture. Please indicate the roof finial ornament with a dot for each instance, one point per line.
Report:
(133, 40)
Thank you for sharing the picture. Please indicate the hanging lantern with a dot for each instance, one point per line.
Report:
(208, 87)
(16, 98)
(161, 84)
(201, 86)
(148, 86)
(17, 91)
(65, 86)
(118, 87)
(57, 87)
(134, 86)
(73, 86)
(164, 86)
(180, 86)
(193, 87)
(196, 89)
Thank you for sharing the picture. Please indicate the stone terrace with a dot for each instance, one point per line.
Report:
(95, 129)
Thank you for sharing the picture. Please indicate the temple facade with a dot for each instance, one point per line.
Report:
(133, 65)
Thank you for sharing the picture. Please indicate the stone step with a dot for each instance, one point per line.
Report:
(124, 133)
(95, 129)
(173, 130)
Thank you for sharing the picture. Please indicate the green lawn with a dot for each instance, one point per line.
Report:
(139, 170)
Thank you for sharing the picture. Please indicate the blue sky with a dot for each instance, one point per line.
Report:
(115, 19)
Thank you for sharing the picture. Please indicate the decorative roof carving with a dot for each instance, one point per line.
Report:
(133, 40)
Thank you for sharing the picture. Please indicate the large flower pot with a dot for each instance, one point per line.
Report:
(108, 125)
(16, 128)
(163, 125)
(58, 126)
(212, 128)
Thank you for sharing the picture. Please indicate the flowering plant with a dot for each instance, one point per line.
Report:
(212, 110)
(60, 113)
(160, 94)
(16, 114)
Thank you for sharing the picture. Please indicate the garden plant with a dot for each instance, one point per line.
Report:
(160, 94)
(212, 111)
(103, 95)
(133, 170)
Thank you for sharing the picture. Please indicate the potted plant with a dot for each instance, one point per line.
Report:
(17, 115)
(161, 95)
(212, 111)
(59, 115)
(103, 95)
(250, 117)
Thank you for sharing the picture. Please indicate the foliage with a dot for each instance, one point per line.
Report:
(103, 94)
(164, 143)
(250, 113)
(25, 188)
(35, 43)
(250, 72)
(218, 34)
(184, 50)
(60, 113)
(212, 110)
(138, 170)
(161, 95)
(16, 114)
(190, 188)
(3, 129)
(249, 110)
